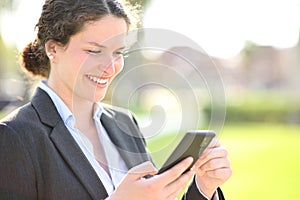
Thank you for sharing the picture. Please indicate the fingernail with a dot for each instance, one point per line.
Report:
(190, 159)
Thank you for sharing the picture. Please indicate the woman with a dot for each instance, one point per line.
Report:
(57, 146)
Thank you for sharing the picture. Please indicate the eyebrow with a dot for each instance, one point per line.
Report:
(96, 44)
(102, 46)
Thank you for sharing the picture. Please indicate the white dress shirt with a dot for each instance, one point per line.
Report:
(116, 165)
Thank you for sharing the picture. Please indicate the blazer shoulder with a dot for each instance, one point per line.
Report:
(119, 113)
(116, 110)
(25, 122)
(24, 113)
(123, 117)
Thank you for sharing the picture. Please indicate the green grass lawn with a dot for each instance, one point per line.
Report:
(265, 159)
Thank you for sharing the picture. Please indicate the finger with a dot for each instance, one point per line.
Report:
(221, 174)
(176, 171)
(174, 195)
(217, 152)
(141, 170)
(178, 185)
(214, 143)
(214, 164)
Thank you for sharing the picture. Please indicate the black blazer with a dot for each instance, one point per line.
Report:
(39, 159)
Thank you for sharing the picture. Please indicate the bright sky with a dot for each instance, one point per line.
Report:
(222, 27)
(18, 27)
(219, 27)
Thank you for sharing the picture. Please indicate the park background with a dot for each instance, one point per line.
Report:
(254, 45)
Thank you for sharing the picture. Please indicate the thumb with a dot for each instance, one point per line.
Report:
(142, 170)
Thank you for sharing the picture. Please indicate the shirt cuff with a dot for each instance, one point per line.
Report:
(214, 197)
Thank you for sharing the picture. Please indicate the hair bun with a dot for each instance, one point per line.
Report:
(34, 60)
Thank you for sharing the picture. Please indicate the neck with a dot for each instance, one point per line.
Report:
(81, 108)
(83, 112)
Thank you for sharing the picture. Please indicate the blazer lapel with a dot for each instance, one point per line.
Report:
(67, 146)
(131, 147)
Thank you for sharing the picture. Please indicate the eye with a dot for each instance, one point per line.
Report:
(121, 53)
(94, 51)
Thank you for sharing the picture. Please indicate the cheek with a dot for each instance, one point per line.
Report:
(80, 63)
(119, 64)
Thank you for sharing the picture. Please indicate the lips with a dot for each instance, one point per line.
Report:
(97, 80)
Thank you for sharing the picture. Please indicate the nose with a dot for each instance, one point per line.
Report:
(109, 65)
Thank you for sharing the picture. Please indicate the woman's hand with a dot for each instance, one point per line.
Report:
(212, 168)
(162, 186)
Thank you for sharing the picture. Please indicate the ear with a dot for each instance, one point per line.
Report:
(51, 49)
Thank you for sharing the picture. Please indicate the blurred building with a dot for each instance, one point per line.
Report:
(263, 68)
(255, 68)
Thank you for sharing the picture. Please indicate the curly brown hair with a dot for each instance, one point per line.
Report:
(61, 19)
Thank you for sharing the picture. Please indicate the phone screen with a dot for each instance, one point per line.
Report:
(192, 144)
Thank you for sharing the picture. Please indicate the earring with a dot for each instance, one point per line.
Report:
(50, 56)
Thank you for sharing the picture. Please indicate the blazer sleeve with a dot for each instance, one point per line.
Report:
(194, 194)
(17, 180)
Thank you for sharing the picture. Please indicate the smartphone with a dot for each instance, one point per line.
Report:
(192, 144)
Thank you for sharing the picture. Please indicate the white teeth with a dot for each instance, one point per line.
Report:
(98, 80)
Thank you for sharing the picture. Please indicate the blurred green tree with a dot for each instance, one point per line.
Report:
(5, 6)
(142, 3)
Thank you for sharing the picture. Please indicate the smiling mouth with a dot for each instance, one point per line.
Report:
(100, 81)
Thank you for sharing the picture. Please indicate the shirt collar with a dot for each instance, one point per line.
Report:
(62, 108)
(98, 110)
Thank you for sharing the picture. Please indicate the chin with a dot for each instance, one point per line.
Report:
(98, 97)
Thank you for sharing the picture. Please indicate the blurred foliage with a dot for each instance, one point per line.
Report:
(8, 58)
(4, 4)
(8, 4)
(249, 49)
(260, 112)
(271, 107)
(143, 3)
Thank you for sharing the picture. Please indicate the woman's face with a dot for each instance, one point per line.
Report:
(84, 68)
